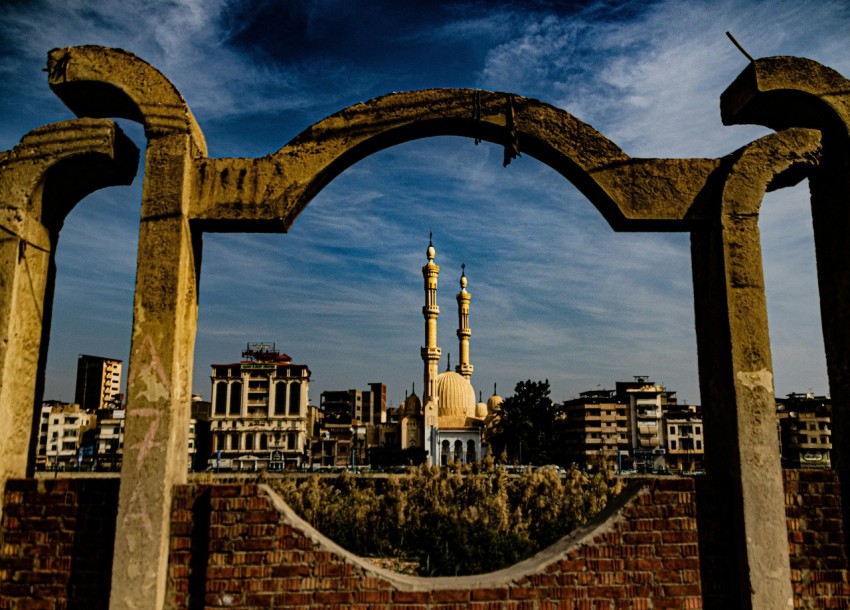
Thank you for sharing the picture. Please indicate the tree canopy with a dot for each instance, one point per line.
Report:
(526, 429)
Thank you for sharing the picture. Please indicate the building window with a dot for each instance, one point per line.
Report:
(672, 429)
(470, 452)
(264, 441)
(295, 399)
(220, 398)
(673, 445)
(236, 398)
(459, 451)
(234, 442)
(444, 453)
(280, 398)
(249, 442)
(290, 441)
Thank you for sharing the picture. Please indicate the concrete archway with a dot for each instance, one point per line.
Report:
(187, 193)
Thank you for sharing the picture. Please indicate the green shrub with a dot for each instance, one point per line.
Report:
(462, 520)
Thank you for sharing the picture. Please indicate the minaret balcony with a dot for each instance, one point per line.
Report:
(432, 353)
(432, 310)
(464, 369)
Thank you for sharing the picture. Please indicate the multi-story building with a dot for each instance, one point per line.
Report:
(639, 425)
(596, 425)
(259, 416)
(109, 450)
(199, 443)
(351, 421)
(805, 430)
(685, 446)
(98, 383)
(647, 403)
(366, 406)
(64, 427)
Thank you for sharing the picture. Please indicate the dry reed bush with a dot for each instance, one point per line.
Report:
(451, 521)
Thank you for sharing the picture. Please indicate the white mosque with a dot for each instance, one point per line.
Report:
(450, 425)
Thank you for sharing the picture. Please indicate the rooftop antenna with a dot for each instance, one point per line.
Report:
(740, 48)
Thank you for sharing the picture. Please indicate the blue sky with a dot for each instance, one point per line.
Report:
(556, 293)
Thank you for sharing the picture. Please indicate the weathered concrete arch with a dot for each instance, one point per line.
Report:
(242, 194)
(186, 193)
(780, 92)
(41, 179)
(97, 81)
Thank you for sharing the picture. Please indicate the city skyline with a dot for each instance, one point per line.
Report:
(555, 293)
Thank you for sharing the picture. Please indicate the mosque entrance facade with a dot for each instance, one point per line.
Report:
(186, 194)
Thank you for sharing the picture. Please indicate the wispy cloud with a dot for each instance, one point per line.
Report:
(556, 293)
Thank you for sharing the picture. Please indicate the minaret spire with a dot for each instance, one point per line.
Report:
(463, 331)
(430, 352)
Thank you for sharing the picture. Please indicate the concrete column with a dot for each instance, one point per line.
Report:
(159, 387)
(736, 371)
(96, 81)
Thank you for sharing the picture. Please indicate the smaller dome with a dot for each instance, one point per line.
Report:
(481, 410)
(412, 405)
(494, 402)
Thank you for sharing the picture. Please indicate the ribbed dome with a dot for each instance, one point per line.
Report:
(412, 405)
(494, 402)
(457, 398)
(481, 410)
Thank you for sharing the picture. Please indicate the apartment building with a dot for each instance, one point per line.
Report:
(647, 435)
(685, 446)
(259, 417)
(596, 425)
(805, 430)
(64, 433)
(98, 383)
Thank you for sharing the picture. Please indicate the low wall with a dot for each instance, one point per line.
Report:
(240, 546)
(641, 553)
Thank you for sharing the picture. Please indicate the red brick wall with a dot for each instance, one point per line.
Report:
(233, 546)
(57, 539)
(815, 537)
(646, 556)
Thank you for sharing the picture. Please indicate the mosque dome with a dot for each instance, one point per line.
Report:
(481, 410)
(457, 398)
(494, 402)
(412, 405)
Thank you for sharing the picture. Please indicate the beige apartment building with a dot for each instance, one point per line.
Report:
(61, 430)
(259, 415)
(685, 447)
(596, 424)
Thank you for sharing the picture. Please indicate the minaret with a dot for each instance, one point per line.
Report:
(463, 331)
(430, 353)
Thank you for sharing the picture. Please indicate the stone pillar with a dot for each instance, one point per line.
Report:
(95, 81)
(736, 372)
(41, 180)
